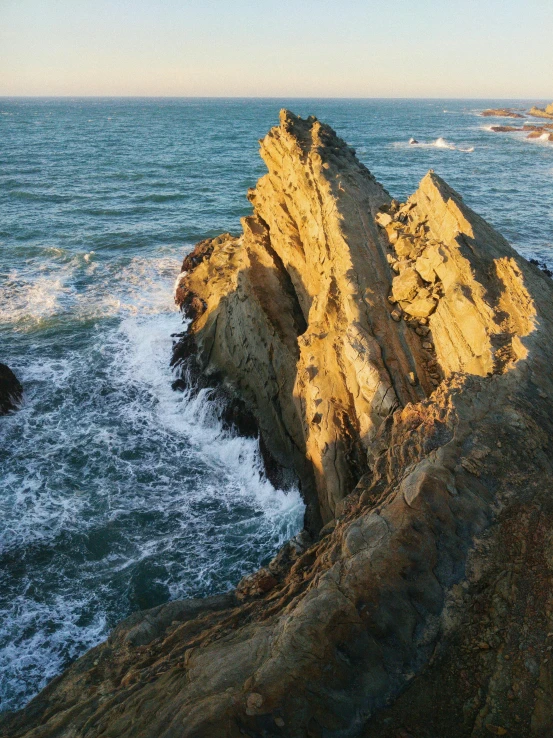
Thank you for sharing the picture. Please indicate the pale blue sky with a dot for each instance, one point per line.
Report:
(352, 48)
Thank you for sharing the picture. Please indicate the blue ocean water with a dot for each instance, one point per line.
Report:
(116, 492)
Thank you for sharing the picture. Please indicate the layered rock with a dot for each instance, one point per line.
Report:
(396, 358)
(296, 315)
(11, 391)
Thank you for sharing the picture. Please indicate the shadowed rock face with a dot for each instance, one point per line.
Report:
(397, 359)
(11, 391)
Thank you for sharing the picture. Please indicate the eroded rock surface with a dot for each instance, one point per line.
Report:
(11, 391)
(417, 413)
(296, 314)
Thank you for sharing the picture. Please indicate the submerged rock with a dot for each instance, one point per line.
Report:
(11, 391)
(424, 446)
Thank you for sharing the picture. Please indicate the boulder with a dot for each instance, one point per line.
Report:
(421, 307)
(11, 391)
(404, 247)
(383, 219)
(406, 285)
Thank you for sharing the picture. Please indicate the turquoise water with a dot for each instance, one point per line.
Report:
(118, 493)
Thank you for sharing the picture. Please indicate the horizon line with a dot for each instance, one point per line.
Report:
(256, 97)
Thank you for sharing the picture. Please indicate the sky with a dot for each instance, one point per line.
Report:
(287, 48)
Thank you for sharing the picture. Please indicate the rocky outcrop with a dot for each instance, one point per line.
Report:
(526, 127)
(11, 391)
(543, 132)
(396, 358)
(501, 113)
(534, 111)
(542, 113)
(297, 318)
(543, 135)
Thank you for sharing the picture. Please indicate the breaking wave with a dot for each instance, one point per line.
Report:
(117, 492)
(439, 143)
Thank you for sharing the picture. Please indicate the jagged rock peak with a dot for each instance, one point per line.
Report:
(337, 305)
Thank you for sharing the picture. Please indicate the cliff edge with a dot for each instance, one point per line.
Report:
(396, 359)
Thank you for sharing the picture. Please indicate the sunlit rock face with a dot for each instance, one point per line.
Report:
(396, 358)
(302, 313)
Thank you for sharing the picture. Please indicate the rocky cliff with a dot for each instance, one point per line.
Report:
(395, 358)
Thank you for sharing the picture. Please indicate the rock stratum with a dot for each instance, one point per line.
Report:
(396, 360)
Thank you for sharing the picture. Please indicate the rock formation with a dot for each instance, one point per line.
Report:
(501, 113)
(396, 359)
(542, 113)
(11, 391)
(544, 135)
(534, 111)
(544, 132)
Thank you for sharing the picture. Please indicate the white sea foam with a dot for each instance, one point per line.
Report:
(32, 299)
(118, 484)
(439, 143)
(38, 293)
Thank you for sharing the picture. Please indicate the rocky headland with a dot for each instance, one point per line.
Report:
(395, 359)
(11, 391)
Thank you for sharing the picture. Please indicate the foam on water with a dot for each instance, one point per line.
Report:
(119, 493)
(439, 143)
(44, 289)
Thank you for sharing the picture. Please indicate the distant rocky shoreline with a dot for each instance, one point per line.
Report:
(544, 132)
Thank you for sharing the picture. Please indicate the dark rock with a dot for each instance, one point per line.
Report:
(543, 266)
(11, 391)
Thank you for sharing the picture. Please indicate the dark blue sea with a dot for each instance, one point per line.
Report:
(117, 493)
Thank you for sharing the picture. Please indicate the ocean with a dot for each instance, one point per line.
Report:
(117, 493)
